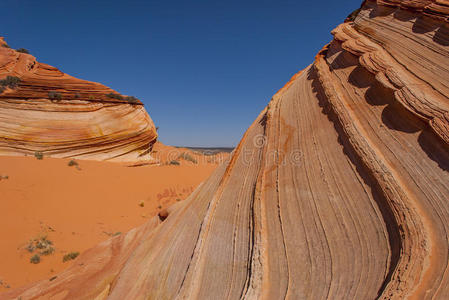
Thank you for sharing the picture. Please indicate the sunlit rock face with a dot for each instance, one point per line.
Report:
(338, 190)
(51, 112)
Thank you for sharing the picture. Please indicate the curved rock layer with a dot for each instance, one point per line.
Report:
(339, 189)
(80, 120)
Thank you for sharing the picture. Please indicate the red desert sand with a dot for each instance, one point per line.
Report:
(78, 206)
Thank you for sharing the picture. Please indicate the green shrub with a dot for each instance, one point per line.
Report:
(10, 81)
(23, 50)
(72, 163)
(174, 163)
(132, 100)
(187, 156)
(43, 243)
(35, 259)
(70, 256)
(47, 251)
(115, 96)
(39, 155)
(6, 46)
(30, 247)
(54, 95)
(77, 96)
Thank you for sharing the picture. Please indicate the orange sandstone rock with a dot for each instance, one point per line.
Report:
(62, 116)
(338, 190)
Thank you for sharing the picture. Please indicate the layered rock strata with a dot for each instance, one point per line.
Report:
(50, 112)
(338, 190)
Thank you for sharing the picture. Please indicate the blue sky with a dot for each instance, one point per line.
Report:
(204, 69)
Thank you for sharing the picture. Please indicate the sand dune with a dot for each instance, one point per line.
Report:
(78, 206)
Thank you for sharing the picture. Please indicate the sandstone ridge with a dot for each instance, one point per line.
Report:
(45, 110)
(338, 190)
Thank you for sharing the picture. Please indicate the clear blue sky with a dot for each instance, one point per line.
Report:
(204, 69)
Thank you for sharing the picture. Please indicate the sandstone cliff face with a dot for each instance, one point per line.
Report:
(339, 189)
(62, 116)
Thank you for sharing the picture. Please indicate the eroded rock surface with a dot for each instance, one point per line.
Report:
(51, 112)
(339, 189)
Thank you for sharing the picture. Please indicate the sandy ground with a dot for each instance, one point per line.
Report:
(77, 207)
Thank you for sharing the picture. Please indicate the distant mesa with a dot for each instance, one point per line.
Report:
(45, 110)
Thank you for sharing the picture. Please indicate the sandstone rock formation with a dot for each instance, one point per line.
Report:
(61, 116)
(339, 189)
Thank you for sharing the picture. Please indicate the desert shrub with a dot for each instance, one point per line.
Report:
(115, 96)
(39, 155)
(117, 233)
(54, 95)
(77, 96)
(10, 81)
(132, 100)
(187, 156)
(43, 243)
(72, 163)
(174, 163)
(23, 50)
(6, 46)
(35, 259)
(30, 247)
(70, 256)
(47, 251)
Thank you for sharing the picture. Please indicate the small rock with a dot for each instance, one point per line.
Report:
(163, 214)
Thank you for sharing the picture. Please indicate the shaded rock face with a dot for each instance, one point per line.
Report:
(338, 190)
(62, 116)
